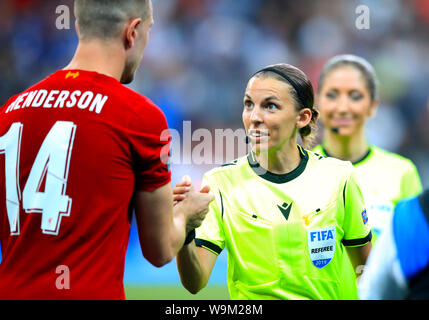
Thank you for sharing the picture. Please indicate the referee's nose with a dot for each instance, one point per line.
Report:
(256, 115)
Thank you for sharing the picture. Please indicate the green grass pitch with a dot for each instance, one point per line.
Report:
(162, 292)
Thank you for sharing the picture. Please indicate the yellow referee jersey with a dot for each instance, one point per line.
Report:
(285, 234)
(384, 178)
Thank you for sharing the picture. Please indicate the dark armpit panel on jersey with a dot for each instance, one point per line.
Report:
(208, 245)
(357, 242)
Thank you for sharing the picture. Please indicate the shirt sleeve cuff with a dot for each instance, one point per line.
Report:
(208, 245)
(153, 184)
(357, 242)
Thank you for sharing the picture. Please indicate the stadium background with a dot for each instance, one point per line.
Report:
(199, 58)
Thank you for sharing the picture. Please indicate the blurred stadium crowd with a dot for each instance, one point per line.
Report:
(202, 52)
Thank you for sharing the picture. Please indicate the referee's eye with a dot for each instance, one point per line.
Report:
(331, 95)
(248, 104)
(271, 106)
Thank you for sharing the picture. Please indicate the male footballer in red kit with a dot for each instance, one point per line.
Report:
(79, 153)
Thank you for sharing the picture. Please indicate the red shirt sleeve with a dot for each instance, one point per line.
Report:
(150, 144)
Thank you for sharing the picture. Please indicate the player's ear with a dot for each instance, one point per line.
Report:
(373, 108)
(76, 26)
(132, 32)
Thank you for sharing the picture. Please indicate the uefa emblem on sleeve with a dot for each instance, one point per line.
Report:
(364, 216)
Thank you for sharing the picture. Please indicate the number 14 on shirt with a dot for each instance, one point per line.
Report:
(52, 162)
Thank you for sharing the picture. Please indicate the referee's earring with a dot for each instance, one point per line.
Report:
(247, 139)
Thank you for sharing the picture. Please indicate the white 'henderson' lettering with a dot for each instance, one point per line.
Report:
(85, 99)
(98, 103)
(40, 97)
(30, 98)
(50, 99)
(59, 99)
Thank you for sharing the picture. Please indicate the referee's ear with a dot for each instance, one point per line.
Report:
(373, 108)
(303, 118)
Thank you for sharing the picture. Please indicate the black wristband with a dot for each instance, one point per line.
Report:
(190, 237)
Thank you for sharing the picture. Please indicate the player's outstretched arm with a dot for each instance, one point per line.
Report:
(162, 230)
(194, 264)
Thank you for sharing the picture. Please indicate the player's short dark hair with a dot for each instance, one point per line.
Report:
(359, 63)
(302, 93)
(104, 18)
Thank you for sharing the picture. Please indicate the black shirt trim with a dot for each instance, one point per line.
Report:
(208, 245)
(278, 178)
(221, 203)
(354, 163)
(357, 242)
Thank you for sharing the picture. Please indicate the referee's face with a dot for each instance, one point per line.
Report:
(269, 114)
(345, 101)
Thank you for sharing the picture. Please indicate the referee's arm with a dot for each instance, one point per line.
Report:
(359, 255)
(195, 264)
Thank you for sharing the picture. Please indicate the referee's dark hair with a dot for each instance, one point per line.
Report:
(302, 93)
(103, 19)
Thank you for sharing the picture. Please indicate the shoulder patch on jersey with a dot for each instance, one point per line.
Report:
(364, 216)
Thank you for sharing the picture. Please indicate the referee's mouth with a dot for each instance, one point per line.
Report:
(257, 135)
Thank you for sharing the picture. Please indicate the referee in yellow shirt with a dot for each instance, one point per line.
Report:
(285, 215)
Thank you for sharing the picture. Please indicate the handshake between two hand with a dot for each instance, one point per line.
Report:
(197, 202)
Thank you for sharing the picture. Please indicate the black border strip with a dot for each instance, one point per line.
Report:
(221, 203)
(278, 178)
(353, 163)
(208, 245)
(344, 195)
(357, 242)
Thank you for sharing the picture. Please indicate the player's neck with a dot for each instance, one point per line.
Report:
(349, 148)
(102, 57)
(280, 160)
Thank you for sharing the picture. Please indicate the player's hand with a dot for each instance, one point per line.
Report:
(183, 187)
(196, 206)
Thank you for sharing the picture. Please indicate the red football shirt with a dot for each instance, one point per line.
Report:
(73, 148)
